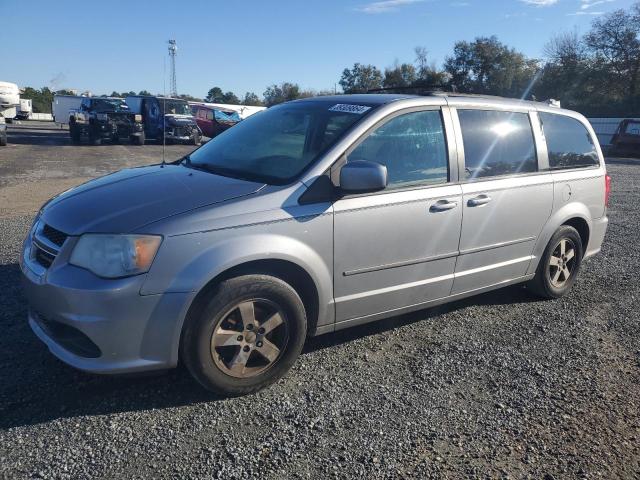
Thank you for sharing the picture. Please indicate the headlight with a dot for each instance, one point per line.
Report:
(114, 256)
(137, 118)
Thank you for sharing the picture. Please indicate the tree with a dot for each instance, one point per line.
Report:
(230, 98)
(284, 92)
(567, 73)
(215, 95)
(403, 75)
(252, 99)
(40, 99)
(360, 78)
(614, 42)
(145, 93)
(488, 66)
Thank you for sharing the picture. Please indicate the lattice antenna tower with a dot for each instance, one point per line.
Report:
(173, 51)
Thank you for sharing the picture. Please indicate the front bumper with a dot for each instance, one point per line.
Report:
(100, 325)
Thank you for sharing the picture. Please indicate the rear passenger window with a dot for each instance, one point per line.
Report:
(497, 143)
(413, 148)
(568, 142)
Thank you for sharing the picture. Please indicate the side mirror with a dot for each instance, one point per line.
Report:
(361, 176)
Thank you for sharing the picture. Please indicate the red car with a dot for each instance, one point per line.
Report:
(626, 140)
(213, 121)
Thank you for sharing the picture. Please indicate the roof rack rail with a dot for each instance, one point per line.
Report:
(427, 89)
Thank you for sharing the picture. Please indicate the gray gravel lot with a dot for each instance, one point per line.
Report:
(501, 385)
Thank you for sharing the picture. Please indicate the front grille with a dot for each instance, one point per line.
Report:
(55, 236)
(43, 258)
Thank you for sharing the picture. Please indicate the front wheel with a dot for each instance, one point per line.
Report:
(559, 265)
(197, 139)
(247, 336)
(138, 140)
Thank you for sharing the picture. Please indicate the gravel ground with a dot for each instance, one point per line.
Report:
(500, 386)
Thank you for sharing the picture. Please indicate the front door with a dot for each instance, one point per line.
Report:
(506, 199)
(397, 248)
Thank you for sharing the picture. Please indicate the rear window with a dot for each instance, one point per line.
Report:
(497, 143)
(569, 143)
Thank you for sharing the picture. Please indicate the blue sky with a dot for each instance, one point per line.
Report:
(245, 45)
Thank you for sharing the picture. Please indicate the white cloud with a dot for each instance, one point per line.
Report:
(586, 4)
(385, 6)
(540, 3)
(582, 12)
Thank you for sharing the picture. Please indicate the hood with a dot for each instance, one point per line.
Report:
(127, 200)
(175, 119)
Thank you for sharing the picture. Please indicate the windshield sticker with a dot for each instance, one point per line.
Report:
(343, 107)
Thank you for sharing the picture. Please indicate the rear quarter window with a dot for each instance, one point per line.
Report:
(569, 143)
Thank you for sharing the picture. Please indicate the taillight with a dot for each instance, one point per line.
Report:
(607, 190)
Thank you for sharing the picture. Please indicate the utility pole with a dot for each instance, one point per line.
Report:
(173, 51)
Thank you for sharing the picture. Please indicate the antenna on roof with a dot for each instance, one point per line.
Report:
(164, 104)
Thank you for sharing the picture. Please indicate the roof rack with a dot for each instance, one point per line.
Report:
(423, 89)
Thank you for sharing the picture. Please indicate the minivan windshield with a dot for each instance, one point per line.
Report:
(276, 145)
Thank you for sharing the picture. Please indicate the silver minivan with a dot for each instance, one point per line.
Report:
(307, 218)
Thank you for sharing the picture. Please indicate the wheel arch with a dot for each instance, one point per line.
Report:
(574, 214)
(287, 271)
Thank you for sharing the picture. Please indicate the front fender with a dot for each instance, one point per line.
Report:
(187, 263)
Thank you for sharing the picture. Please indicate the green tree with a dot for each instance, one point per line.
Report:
(145, 93)
(284, 92)
(360, 78)
(214, 95)
(488, 66)
(230, 98)
(403, 75)
(252, 99)
(614, 43)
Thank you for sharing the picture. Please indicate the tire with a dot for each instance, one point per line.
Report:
(139, 140)
(74, 133)
(3, 140)
(94, 139)
(548, 282)
(213, 366)
(197, 138)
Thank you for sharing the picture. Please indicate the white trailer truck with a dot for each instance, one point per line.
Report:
(25, 109)
(62, 105)
(9, 100)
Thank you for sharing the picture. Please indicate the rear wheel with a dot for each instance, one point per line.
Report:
(559, 265)
(246, 337)
(94, 138)
(74, 133)
(3, 139)
(138, 140)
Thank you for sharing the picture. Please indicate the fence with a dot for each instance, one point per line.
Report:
(605, 128)
(46, 117)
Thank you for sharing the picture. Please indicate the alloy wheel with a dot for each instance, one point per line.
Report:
(562, 263)
(250, 338)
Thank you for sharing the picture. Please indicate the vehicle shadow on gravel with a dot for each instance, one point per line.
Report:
(49, 137)
(38, 388)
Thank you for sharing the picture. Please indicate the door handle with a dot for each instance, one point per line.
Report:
(442, 206)
(479, 200)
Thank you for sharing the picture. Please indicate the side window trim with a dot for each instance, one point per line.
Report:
(540, 141)
(462, 155)
(452, 165)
